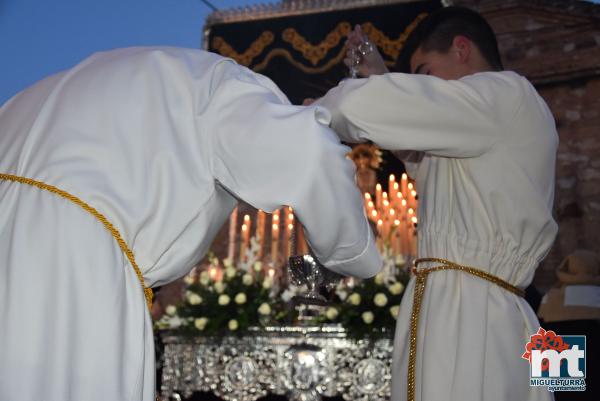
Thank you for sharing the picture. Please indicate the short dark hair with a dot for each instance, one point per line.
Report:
(438, 30)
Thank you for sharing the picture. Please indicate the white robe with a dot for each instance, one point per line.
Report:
(161, 141)
(485, 147)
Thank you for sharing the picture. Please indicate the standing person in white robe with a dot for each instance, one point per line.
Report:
(161, 143)
(481, 144)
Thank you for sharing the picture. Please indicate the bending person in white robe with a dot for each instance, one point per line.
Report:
(481, 145)
(162, 143)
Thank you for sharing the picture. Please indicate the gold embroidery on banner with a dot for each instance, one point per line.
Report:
(391, 47)
(315, 53)
(245, 58)
(99, 216)
(307, 70)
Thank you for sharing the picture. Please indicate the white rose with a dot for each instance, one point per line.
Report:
(230, 272)
(189, 279)
(257, 266)
(200, 323)
(268, 283)
(193, 298)
(380, 299)
(331, 313)
(240, 298)
(264, 309)
(175, 322)
(171, 310)
(227, 263)
(396, 288)
(354, 299)
(204, 278)
(247, 279)
(368, 317)
(342, 294)
(219, 287)
(224, 299)
(395, 310)
(233, 325)
(379, 279)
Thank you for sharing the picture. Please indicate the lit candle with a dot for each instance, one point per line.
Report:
(245, 237)
(413, 199)
(378, 198)
(396, 245)
(302, 247)
(243, 244)
(404, 185)
(260, 232)
(275, 242)
(413, 239)
(232, 234)
(287, 238)
(392, 181)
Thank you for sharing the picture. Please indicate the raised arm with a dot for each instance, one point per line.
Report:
(415, 112)
(271, 154)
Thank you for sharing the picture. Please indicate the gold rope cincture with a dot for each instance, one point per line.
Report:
(421, 281)
(107, 224)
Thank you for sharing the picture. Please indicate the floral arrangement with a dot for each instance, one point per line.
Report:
(228, 300)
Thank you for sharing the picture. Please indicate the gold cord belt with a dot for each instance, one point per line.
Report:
(107, 224)
(421, 281)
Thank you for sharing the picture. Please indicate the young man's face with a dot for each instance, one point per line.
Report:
(461, 59)
(442, 65)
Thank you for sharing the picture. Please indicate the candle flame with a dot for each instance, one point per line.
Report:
(396, 222)
(396, 186)
(392, 177)
(271, 273)
(275, 217)
(414, 220)
(410, 185)
(404, 176)
(374, 213)
(378, 187)
(411, 211)
(386, 203)
(413, 193)
(290, 226)
(370, 204)
(392, 212)
(403, 202)
(244, 227)
(379, 222)
(246, 218)
(291, 216)
(384, 195)
(275, 226)
(367, 196)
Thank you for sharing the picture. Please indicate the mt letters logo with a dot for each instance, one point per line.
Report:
(556, 362)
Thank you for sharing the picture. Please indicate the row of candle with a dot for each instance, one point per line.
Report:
(283, 217)
(395, 214)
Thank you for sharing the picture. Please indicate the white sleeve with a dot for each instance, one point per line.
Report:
(270, 153)
(459, 118)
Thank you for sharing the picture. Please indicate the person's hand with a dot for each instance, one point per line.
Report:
(308, 101)
(358, 45)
